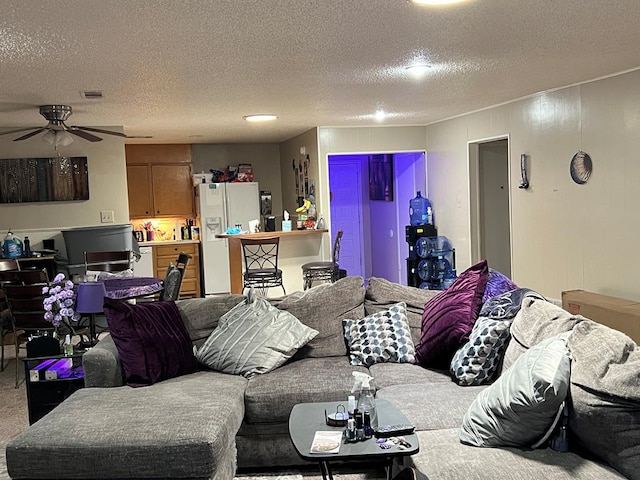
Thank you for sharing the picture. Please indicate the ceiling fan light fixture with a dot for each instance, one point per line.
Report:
(58, 138)
(260, 117)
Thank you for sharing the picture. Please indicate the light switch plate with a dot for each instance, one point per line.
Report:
(106, 216)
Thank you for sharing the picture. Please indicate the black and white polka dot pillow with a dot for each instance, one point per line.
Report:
(380, 337)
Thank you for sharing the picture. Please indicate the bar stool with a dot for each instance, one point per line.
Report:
(261, 264)
(323, 271)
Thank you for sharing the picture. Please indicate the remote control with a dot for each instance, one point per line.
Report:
(394, 430)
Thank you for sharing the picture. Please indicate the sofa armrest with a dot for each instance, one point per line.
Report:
(101, 365)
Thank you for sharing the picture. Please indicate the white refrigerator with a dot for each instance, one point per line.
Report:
(222, 205)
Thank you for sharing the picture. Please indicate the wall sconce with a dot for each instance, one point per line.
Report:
(524, 182)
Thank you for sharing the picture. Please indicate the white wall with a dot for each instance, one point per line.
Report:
(564, 235)
(263, 157)
(107, 190)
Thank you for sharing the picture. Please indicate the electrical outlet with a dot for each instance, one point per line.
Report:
(106, 216)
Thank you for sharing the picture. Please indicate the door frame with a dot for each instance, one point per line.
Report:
(473, 163)
(360, 212)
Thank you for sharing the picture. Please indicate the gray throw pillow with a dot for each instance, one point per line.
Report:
(381, 337)
(254, 337)
(521, 408)
(605, 395)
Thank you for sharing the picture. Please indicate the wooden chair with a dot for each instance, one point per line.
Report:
(261, 264)
(173, 278)
(114, 261)
(23, 293)
(323, 271)
(6, 264)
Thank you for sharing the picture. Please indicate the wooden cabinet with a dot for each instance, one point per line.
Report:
(165, 254)
(159, 181)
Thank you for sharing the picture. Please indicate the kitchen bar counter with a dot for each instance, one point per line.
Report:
(167, 242)
(295, 249)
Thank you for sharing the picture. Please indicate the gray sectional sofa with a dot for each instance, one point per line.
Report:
(209, 424)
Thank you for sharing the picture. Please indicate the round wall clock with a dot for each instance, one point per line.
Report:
(580, 167)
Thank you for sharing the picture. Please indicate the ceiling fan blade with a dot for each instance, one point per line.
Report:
(29, 135)
(8, 132)
(85, 135)
(99, 130)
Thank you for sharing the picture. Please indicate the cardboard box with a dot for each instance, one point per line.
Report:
(614, 312)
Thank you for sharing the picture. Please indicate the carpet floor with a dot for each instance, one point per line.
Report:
(14, 419)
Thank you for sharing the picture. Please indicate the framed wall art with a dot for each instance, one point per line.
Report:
(58, 179)
(381, 177)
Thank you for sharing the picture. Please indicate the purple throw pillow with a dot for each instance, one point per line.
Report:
(497, 284)
(152, 341)
(448, 318)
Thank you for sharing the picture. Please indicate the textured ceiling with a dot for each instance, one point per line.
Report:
(188, 70)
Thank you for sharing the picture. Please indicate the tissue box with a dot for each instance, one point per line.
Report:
(286, 225)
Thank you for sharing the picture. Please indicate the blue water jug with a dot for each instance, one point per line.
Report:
(418, 210)
(11, 246)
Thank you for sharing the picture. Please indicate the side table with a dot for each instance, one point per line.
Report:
(307, 418)
(49, 380)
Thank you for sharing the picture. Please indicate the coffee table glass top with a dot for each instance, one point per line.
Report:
(307, 418)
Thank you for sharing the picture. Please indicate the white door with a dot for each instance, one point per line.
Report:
(345, 184)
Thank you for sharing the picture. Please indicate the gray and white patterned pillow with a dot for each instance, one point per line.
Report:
(380, 337)
(476, 361)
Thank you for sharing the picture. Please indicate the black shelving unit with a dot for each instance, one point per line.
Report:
(44, 393)
(430, 268)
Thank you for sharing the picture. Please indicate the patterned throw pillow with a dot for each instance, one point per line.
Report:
(497, 284)
(380, 337)
(477, 361)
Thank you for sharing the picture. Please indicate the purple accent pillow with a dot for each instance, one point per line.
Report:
(152, 341)
(497, 284)
(448, 317)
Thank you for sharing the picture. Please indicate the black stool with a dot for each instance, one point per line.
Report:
(324, 271)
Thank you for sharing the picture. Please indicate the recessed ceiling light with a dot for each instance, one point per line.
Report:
(426, 3)
(380, 115)
(418, 69)
(261, 117)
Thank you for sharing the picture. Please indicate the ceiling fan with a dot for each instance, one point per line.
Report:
(56, 131)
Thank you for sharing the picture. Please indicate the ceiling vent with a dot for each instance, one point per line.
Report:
(92, 95)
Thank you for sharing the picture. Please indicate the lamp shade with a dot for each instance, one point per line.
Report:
(90, 297)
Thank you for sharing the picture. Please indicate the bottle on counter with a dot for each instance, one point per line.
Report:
(26, 247)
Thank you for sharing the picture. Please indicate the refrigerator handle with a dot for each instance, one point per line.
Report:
(227, 212)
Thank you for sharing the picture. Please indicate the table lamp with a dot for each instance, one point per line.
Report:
(89, 299)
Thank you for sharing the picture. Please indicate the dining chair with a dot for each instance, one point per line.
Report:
(6, 264)
(323, 271)
(108, 261)
(261, 264)
(173, 279)
(24, 297)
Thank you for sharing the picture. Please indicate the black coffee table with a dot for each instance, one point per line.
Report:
(307, 418)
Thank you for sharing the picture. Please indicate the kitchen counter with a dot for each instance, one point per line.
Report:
(166, 242)
(297, 247)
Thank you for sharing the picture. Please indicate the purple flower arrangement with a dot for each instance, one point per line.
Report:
(60, 302)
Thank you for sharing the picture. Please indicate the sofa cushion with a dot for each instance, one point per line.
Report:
(497, 284)
(382, 294)
(431, 406)
(323, 308)
(443, 457)
(387, 374)
(605, 395)
(269, 398)
(478, 360)
(524, 403)
(536, 321)
(152, 341)
(201, 315)
(254, 337)
(449, 317)
(180, 428)
(380, 337)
